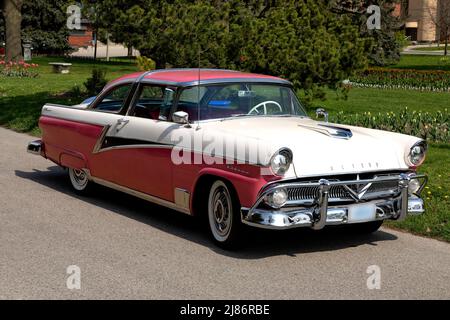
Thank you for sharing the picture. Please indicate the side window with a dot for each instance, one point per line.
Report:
(115, 100)
(154, 102)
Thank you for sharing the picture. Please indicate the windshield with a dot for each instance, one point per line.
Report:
(237, 100)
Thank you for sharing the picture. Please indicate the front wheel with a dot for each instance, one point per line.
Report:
(224, 215)
(80, 181)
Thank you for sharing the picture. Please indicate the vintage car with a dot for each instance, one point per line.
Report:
(235, 148)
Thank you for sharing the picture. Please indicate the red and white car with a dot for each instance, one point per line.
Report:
(236, 148)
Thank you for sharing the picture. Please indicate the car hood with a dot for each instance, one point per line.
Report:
(320, 148)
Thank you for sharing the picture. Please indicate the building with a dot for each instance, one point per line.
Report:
(420, 17)
(83, 37)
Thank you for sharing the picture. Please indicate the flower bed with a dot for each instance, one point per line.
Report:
(434, 127)
(19, 69)
(426, 80)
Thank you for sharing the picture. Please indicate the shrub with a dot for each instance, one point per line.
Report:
(433, 127)
(145, 64)
(96, 82)
(19, 69)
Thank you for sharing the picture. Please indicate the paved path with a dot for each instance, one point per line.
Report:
(129, 249)
(415, 50)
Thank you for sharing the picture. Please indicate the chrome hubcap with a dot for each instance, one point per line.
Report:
(222, 211)
(79, 178)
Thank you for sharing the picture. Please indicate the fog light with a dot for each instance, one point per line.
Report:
(277, 199)
(414, 186)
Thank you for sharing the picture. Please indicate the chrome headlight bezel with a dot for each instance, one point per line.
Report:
(417, 154)
(281, 161)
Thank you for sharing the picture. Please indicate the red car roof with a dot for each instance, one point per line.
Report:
(192, 75)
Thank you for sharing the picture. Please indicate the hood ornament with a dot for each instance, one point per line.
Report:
(338, 132)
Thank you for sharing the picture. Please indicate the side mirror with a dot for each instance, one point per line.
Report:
(322, 113)
(181, 117)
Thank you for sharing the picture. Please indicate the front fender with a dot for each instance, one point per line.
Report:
(247, 187)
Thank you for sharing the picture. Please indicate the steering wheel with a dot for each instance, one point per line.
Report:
(264, 106)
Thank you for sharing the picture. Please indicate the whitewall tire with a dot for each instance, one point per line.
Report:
(223, 215)
(79, 180)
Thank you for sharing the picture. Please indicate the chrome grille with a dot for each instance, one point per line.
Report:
(306, 194)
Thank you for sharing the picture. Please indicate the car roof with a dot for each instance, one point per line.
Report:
(190, 77)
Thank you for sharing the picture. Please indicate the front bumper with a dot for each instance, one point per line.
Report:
(321, 213)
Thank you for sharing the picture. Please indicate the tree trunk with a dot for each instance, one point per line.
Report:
(446, 43)
(130, 51)
(13, 19)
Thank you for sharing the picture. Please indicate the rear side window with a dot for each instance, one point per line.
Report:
(115, 100)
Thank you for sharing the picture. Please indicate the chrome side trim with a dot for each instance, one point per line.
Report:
(182, 198)
(135, 146)
(101, 139)
(139, 194)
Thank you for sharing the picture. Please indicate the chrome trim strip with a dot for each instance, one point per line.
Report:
(139, 194)
(135, 146)
(101, 139)
(182, 198)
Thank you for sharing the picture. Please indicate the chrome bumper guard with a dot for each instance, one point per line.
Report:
(36, 147)
(320, 213)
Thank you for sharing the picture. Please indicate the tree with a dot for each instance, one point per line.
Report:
(11, 10)
(385, 49)
(440, 16)
(45, 24)
(300, 40)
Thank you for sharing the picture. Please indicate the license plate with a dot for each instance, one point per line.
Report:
(362, 212)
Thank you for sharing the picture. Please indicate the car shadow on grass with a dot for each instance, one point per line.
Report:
(258, 243)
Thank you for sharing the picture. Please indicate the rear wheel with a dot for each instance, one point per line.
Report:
(224, 215)
(80, 181)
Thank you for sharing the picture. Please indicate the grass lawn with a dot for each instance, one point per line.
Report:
(440, 48)
(436, 220)
(21, 101)
(421, 62)
(377, 100)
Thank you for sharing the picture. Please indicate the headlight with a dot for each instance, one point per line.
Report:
(417, 154)
(277, 199)
(281, 162)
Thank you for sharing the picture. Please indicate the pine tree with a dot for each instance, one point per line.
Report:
(385, 48)
(300, 40)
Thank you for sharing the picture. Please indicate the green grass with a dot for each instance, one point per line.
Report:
(436, 220)
(376, 100)
(440, 48)
(21, 101)
(421, 62)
